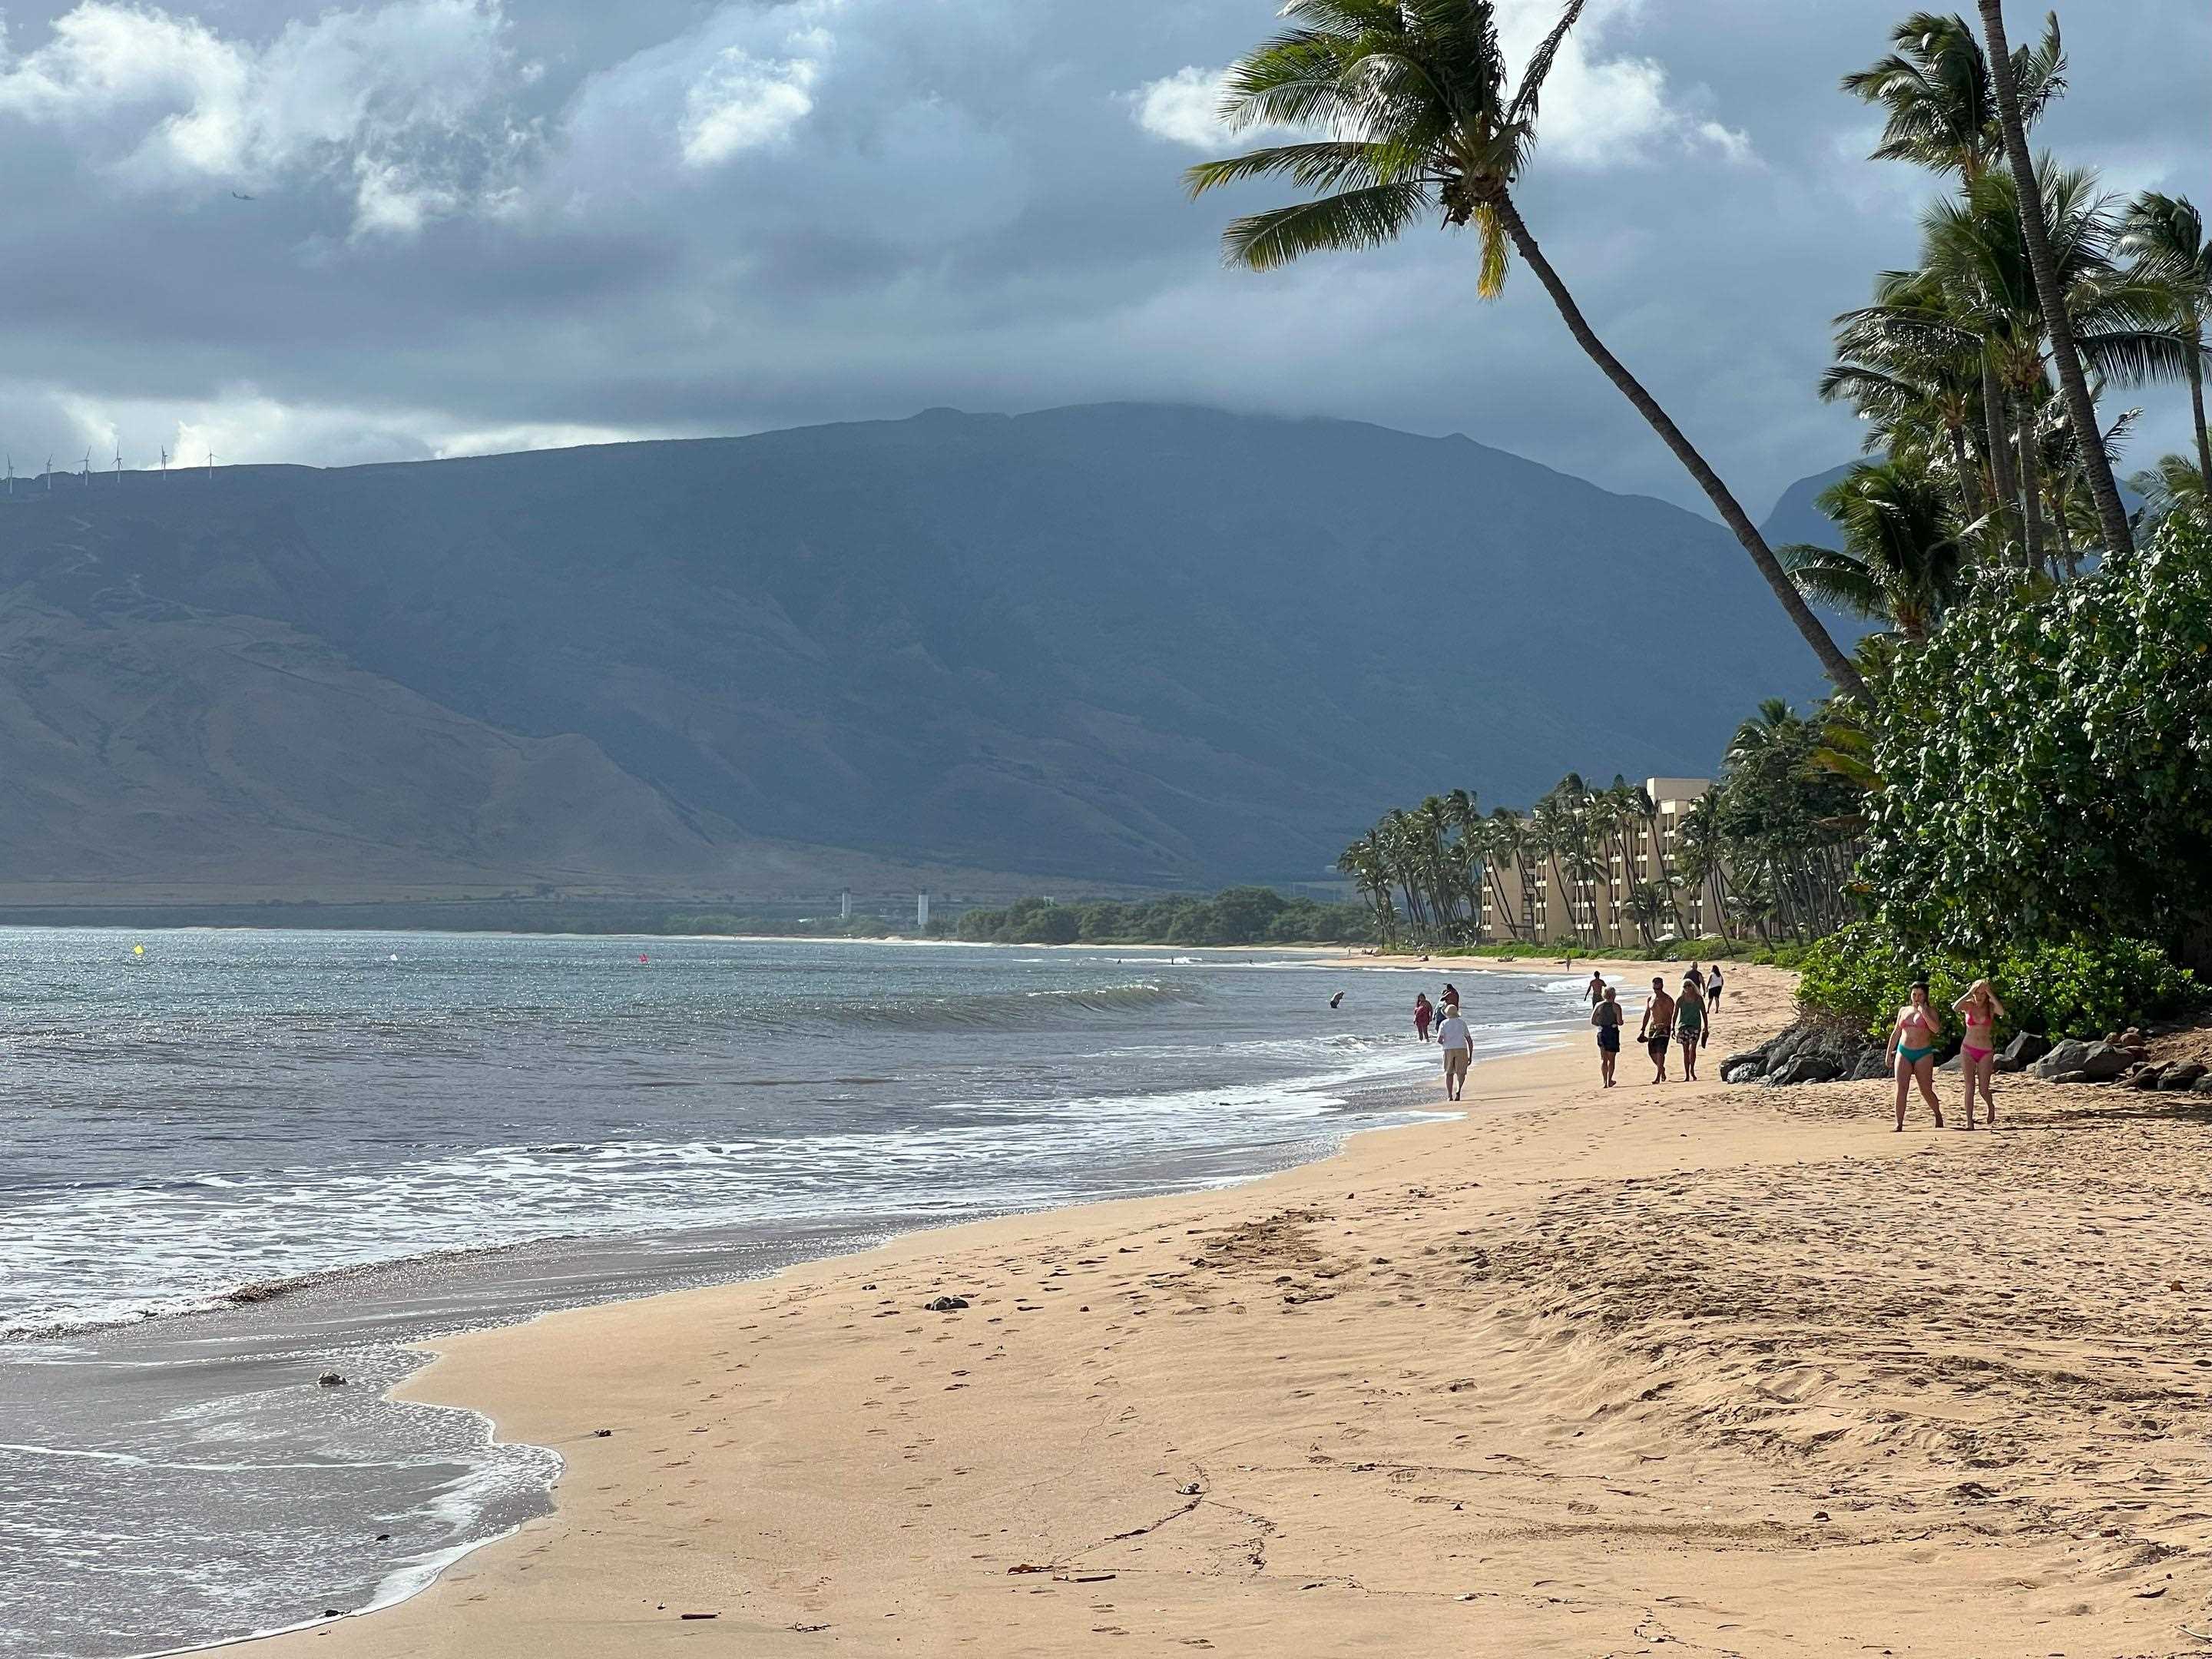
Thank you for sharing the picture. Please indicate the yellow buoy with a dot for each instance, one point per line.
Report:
(137, 950)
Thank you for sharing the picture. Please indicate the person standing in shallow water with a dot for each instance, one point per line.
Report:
(1458, 1044)
(1913, 1039)
(1423, 1013)
(1658, 1029)
(1607, 1017)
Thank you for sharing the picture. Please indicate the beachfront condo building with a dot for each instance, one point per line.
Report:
(1625, 889)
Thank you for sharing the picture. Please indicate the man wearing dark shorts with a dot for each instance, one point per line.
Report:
(1658, 1028)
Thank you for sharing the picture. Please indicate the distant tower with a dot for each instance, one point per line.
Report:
(88, 468)
(922, 912)
(845, 906)
(118, 461)
(50, 473)
(11, 477)
(210, 464)
(165, 460)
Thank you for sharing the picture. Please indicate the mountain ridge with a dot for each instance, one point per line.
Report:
(1128, 643)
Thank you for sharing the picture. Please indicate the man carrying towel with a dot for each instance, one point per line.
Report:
(1658, 1028)
(1459, 1050)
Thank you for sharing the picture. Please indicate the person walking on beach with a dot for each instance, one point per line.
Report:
(1459, 1050)
(1713, 988)
(1658, 1028)
(1593, 993)
(1913, 1039)
(1690, 1024)
(1977, 1054)
(1423, 1013)
(1607, 1017)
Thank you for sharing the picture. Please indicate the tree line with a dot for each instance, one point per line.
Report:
(1772, 844)
(1986, 534)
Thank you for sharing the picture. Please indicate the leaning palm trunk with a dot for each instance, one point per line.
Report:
(2196, 403)
(1970, 475)
(2081, 407)
(1998, 432)
(1832, 659)
(2031, 490)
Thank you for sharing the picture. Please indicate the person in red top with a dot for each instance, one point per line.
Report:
(1423, 1013)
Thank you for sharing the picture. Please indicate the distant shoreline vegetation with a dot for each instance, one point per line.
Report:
(1236, 916)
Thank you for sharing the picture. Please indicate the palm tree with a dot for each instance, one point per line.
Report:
(2173, 487)
(1942, 106)
(1513, 847)
(1976, 287)
(1423, 117)
(2065, 355)
(1915, 377)
(1900, 562)
(2165, 237)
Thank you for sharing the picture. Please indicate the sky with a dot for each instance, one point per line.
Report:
(273, 231)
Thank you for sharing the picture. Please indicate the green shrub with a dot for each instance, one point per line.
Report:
(2079, 989)
(2044, 764)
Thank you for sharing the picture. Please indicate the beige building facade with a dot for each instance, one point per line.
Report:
(1550, 901)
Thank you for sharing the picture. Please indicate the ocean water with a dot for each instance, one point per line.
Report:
(233, 1161)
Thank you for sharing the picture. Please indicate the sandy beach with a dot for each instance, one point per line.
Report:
(1684, 1369)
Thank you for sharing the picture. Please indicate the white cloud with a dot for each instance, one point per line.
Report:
(404, 101)
(1598, 111)
(743, 102)
(1601, 111)
(1182, 108)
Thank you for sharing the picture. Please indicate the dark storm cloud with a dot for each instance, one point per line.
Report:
(476, 225)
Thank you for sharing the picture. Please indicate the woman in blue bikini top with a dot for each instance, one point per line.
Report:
(1914, 1040)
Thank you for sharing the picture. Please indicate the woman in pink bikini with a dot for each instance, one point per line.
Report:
(1977, 1054)
(1914, 1040)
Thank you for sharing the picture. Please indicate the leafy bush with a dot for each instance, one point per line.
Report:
(2083, 989)
(2047, 762)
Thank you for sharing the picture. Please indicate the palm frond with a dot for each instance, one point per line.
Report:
(1332, 164)
(1539, 69)
(1351, 219)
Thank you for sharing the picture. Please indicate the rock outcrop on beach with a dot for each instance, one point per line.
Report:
(1812, 1050)
(1120, 644)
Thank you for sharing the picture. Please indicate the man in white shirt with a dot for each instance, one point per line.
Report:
(1459, 1051)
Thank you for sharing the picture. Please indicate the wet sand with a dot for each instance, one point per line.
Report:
(1684, 1369)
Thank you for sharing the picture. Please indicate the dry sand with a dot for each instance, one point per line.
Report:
(1687, 1369)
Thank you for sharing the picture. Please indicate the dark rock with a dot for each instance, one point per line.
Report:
(2202, 1085)
(1751, 1063)
(2103, 1063)
(331, 1380)
(602, 1434)
(383, 1538)
(2025, 1050)
(1805, 1068)
(2181, 1074)
(1875, 1063)
(2069, 1056)
(2073, 1077)
(2149, 1077)
(945, 1304)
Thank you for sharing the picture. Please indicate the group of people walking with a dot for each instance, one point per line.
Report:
(1683, 1021)
(1452, 1036)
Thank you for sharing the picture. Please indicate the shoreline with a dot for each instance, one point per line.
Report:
(1574, 1373)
